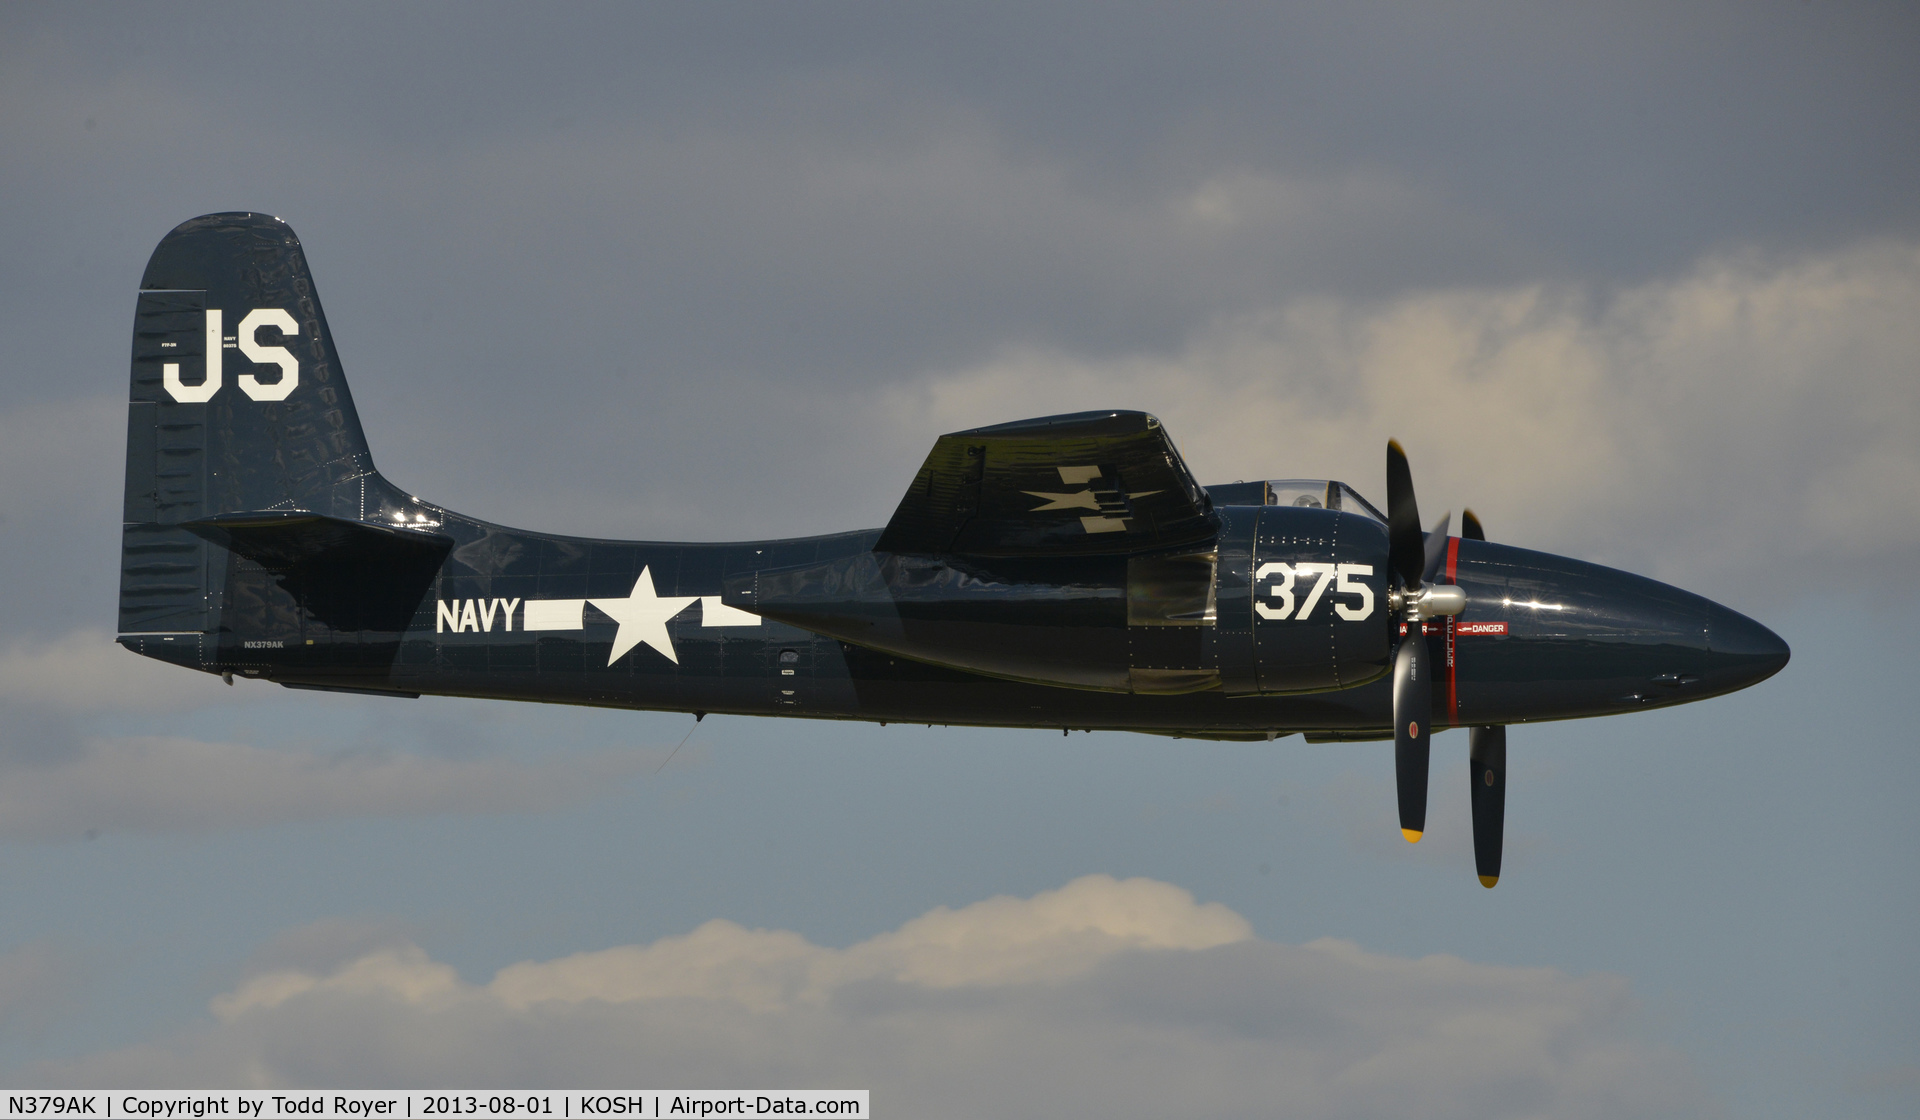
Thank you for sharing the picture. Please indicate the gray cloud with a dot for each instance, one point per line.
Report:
(37, 987)
(1102, 998)
(327, 946)
(1733, 428)
(86, 672)
(167, 783)
(69, 768)
(1750, 425)
(908, 188)
(1548, 121)
(60, 509)
(61, 777)
(630, 272)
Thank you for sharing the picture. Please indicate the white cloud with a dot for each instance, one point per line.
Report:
(86, 671)
(1053, 936)
(167, 783)
(1102, 998)
(1754, 421)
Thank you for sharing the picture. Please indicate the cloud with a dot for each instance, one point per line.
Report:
(328, 945)
(67, 770)
(871, 221)
(60, 509)
(1105, 997)
(36, 987)
(174, 784)
(1754, 421)
(71, 450)
(86, 671)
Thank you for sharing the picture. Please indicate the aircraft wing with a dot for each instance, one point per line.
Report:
(1088, 483)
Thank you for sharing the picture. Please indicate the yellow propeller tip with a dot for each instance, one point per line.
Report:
(1413, 835)
(1488, 881)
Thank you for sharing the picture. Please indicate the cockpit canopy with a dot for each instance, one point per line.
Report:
(1312, 493)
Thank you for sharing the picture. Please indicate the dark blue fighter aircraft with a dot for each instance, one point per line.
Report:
(1061, 572)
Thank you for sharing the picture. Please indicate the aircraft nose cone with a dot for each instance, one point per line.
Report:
(1740, 651)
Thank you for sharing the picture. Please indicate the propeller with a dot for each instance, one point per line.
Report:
(1487, 771)
(1487, 765)
(1415, 561)
(1412, 707)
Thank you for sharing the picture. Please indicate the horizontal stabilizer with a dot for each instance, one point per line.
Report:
(277, 540)
(350, 575)
(1089, 483)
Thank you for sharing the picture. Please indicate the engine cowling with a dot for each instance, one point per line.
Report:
(1301, 600)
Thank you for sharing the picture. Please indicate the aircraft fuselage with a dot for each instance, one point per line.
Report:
(520, 616)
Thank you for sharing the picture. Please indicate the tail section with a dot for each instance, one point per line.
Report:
(236, 380)
(246, 465)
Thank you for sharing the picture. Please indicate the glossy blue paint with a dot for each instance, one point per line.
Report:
(1061, 572)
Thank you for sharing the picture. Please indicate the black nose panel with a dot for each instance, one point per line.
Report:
(1548, 637)
(1740, 651)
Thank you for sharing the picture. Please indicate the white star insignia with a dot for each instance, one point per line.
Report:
(643, 618)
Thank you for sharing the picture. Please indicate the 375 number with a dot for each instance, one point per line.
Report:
(1340, 576)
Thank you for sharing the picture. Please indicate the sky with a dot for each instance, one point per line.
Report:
(1638, 283)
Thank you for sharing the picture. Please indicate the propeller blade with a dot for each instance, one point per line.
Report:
(1436, 548)
(1487, 759)
(1406, 551)
(1470, 527)
(1412, 707)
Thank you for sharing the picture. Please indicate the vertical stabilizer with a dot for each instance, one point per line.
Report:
(237, 405)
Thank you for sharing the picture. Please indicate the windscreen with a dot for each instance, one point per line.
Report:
(1320, 493)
